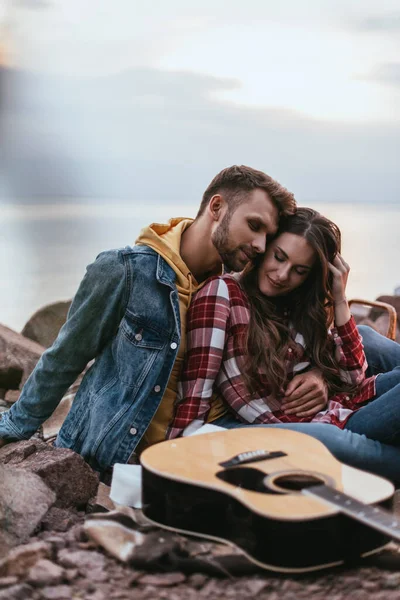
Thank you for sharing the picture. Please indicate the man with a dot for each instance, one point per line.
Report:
(129, 314)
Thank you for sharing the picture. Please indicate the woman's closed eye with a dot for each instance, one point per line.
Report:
(301, 271)
(279, 258)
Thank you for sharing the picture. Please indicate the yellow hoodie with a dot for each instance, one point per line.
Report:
(166, 241)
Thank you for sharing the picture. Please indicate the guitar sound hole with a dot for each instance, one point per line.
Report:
(295, 482)
(247, 478)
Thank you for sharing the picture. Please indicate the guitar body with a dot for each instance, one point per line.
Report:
(258, 505)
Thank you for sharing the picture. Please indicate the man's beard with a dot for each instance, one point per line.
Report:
(231, 257)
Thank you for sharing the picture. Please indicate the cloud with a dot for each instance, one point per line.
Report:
(385, 73)
(33, 4)
(387, 22)
(154, 135)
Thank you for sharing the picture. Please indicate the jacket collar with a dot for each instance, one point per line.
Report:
(165, 274)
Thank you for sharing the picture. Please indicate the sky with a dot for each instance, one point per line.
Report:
(148, 101)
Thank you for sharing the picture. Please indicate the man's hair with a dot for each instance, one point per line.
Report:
(234, 184)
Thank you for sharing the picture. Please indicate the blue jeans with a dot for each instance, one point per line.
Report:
(382, 354)
(350, 448)
(379, 420)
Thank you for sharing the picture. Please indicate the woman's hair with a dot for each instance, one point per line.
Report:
(310, 309)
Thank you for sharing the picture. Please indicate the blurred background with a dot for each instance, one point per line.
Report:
(118, 113)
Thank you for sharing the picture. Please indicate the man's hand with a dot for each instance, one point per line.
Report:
(306, 394)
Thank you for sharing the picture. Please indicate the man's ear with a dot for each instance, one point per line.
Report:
(216, 207)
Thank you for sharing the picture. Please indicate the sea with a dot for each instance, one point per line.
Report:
(44, 248)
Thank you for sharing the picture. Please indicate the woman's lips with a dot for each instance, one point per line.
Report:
(277, 285)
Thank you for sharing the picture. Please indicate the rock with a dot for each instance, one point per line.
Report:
(44, 325)
(11, 372)
(56, 541)
(59, 592)
(163, 579)
(7, 581)
(255, 586)
(24, 501)
(21, 559)
(64, 471)
(81, 559)
(102, 502)
(21, 350)
(59, 519)
(394, 301)
(198, 580)
(21, 591)
(71, 574)
(45, 572)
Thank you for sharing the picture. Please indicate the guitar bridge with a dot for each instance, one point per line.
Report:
(250, 457)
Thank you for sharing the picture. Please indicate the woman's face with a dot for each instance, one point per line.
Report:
(287, 263)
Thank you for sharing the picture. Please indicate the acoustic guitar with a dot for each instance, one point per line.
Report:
(278, 495)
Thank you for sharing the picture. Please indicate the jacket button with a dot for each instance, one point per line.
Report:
(138, 337)
(157, 388)
(133, 431)
(174, 345)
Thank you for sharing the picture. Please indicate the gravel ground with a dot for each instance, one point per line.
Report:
(76, 569)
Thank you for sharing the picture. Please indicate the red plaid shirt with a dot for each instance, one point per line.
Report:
(217, 318)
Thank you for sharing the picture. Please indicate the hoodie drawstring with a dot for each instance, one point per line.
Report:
(190, 278)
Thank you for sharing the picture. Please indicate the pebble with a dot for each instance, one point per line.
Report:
(81, 559)
(255, 586)
(21, 591)
(7, 581)
(163, 579)
(59, 592)
(44, 573)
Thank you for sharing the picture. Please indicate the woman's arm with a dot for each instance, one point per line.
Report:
(206, 335)
(340, 270)
(349, 349)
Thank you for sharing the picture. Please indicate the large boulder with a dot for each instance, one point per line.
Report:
(394, 301)
(62, 470)
(11, 372)
(24, 501)
(44, 325)
(18, 353)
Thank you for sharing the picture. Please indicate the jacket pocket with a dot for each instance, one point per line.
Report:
(138, 347)
(77, 423)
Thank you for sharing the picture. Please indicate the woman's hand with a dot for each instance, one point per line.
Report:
(340, 270)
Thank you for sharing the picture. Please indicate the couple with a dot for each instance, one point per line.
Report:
(129, 314)
(248, 335)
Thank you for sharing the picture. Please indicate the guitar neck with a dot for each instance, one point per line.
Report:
(375, 517)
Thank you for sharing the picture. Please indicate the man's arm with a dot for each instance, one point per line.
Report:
(306, 394)
(206, 334)
(92, 320)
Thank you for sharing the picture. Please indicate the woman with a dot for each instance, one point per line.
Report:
(249, 336)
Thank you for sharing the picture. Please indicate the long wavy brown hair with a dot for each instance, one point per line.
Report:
(309, 309)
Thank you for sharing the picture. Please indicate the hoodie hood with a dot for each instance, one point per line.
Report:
(165, 239)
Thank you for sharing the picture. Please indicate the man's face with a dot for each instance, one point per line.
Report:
(241, 235)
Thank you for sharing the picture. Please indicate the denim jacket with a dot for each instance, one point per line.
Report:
(125, 315)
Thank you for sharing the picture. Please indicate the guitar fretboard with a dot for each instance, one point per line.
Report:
(375, 517)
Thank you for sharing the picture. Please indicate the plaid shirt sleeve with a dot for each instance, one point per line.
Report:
(350, 353)
(207, 321)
